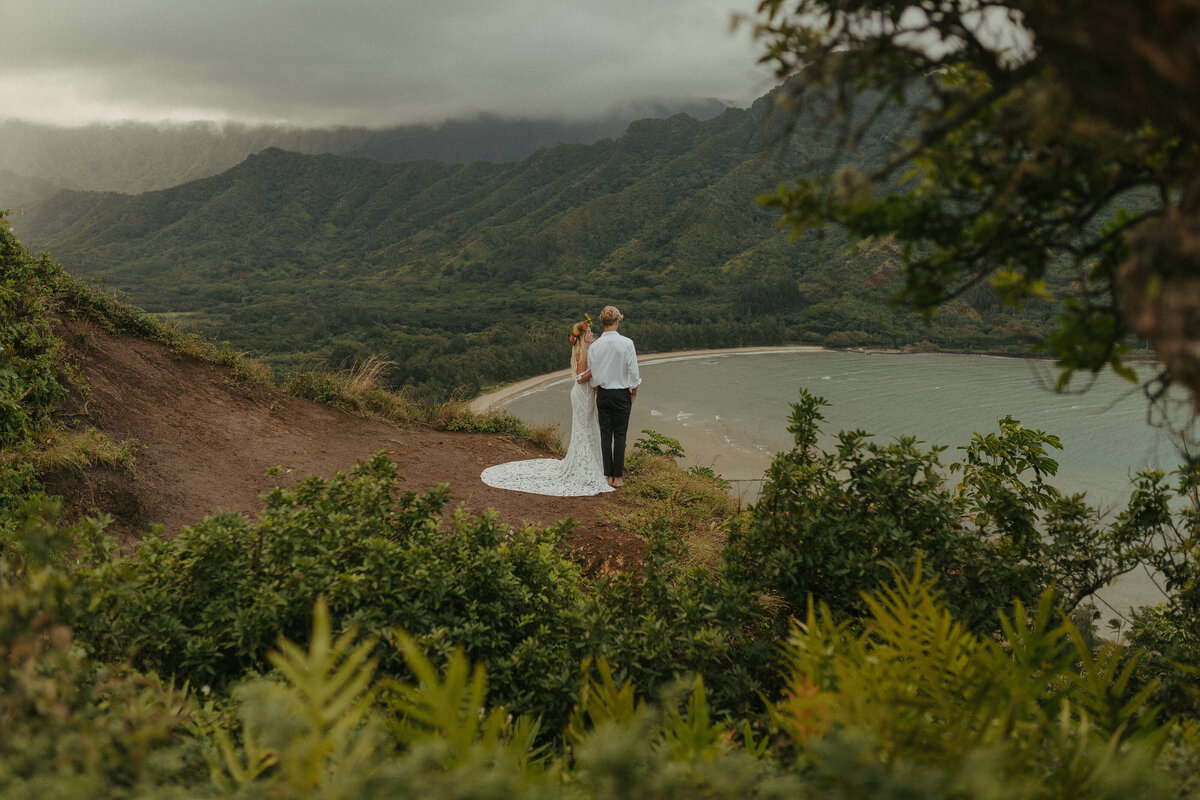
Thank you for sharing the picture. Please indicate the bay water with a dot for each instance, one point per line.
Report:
(729, 411)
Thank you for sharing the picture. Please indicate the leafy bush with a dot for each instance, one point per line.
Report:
(207, 606)
(916, 696)
(1170, 632)
(835, 524)
(666, 622)
(72, 727)
(657, 444)
(914, 705)
(30, 370)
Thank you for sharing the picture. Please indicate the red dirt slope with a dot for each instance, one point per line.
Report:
(205, 444)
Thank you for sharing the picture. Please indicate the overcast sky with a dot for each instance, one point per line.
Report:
(367, 62)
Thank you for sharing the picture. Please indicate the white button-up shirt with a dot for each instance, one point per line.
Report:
(613, 362)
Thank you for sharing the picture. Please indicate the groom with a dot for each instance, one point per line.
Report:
(613, 362)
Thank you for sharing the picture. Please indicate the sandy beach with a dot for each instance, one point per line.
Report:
(495, 401)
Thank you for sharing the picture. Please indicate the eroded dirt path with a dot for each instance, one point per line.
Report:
(205, 444)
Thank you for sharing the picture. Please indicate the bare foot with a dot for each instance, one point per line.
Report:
(618, 483)
(610, 479)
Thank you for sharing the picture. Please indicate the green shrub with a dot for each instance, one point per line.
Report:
(835, 524)
(73, 727)
(657, 444)
(667, 621)
(207, 606)
(916, 696)
(913, 705)
(31, 370)
(1170, 631)
(453, 417)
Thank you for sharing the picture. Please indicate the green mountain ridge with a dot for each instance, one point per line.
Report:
(465, 274)
(133, 157)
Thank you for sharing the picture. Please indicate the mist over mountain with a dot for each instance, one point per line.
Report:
(18, 191)
(138, 157)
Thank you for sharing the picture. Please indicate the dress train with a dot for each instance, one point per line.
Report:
(579, 473)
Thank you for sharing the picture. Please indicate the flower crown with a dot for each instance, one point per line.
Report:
(580, 328)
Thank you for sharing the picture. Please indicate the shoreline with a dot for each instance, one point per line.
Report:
(495, 401)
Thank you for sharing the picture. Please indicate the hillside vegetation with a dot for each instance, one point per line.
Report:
(463, 275)
(870, 628)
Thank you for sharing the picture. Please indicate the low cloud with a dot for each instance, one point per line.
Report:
(368, 62)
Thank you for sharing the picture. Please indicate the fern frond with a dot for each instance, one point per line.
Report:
(602, 702)
(453, 708)
(317, 727)
(693, 736)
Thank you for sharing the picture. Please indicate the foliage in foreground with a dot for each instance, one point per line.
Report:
(1038, 711)
(914, 705)
(208, 605)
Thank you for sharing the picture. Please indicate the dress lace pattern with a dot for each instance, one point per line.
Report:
(581, 472)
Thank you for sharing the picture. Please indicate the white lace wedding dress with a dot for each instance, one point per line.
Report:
(581, 472)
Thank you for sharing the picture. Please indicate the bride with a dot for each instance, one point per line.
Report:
(581, 472)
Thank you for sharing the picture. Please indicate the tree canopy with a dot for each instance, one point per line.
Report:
(1053, 156)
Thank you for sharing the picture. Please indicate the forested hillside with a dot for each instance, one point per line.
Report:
(467, 274)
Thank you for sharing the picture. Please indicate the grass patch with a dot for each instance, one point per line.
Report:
(364, 376)
(696, 507)
(547, 437)
(455, 414)
(57, 449)
(352, 390)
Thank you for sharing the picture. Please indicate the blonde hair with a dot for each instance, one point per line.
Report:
(577, 350)
(609, 315)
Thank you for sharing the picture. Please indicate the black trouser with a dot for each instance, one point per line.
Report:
(612, 407)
